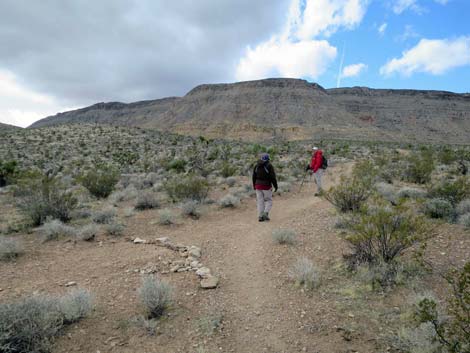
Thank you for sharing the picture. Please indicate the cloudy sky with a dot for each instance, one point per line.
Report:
(57, 55)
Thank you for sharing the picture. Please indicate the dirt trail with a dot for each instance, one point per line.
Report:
(250, 278)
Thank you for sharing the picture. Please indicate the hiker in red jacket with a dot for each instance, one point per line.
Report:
(316, 167)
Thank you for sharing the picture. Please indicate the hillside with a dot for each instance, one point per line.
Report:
(292, 109)
(7, 127)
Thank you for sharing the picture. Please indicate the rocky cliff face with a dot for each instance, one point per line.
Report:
(293, 109)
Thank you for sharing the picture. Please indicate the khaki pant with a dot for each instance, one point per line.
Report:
(317, 176)
(264, 201)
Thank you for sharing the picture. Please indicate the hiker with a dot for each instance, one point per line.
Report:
(316, 167)
(264, 178)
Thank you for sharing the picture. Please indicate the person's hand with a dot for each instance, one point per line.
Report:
(275, 189)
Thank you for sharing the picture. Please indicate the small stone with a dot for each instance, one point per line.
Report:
(209, 282)
(70, 284)
(351, 315)
(203, 272)
(175, 268)
(195, 264)
(194, 251)
(139, 241)
(163, 240)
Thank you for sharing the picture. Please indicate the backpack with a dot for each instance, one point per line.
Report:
(324, 162)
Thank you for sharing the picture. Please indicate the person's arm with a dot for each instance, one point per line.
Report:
(254, 177)
(273, 177)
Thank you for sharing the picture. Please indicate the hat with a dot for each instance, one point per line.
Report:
(265, 157)
(314, 148)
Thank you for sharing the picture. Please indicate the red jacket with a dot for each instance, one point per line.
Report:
(316, 161)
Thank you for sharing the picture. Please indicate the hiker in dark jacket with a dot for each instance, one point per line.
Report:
(264, 179)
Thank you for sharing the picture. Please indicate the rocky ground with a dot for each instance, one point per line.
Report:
(254, 308)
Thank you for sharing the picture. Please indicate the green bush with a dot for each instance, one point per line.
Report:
(178, 165)
(228, 170)
(350, 195)
(187, 188)
(382, 234)
(147, 201)
(439, 208)
(453, 333)
(418, 167)
(452, 190)
(101, 181)
(46, 197)
(8, 171)
(31, 324)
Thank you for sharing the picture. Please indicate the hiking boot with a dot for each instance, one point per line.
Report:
(266, 216)
(261, 219)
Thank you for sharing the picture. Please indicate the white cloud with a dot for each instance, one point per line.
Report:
(382, 28)
(402, 5)
(308, 58)
(33, 105)
(431, 56)
(327, 16)
(297, 51)
(353, 70)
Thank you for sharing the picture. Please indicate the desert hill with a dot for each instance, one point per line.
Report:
(8, 126)
(292, 109)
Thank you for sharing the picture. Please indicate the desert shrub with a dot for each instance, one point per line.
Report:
(385, 275)
(452, 332)
(420, 339)
(75, 305)
(438, 208)
(146, 201)
(411, 193)
(87, 232)
(349, 195)
(156, 296)
(115, 229)
(284, 236)
(305, 274)
(452, 190)
(382, 234)
(8, 170)
(178, 165)
(463, 207)
(166, 217)
(229, 201)
(191, 209)
(231, 181)
(105, 216)
(31, 324)
(418, 167)
(81, 213)
(54, 229)
(187, 188)
(228, 170)
(10, 248)
(45, 197)
(101, 181)
(465, 220)
(387, 191)
(127, 194)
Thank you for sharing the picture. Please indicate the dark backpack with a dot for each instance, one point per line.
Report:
(324, 162)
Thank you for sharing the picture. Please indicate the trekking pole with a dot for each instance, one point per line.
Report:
(303, 179)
